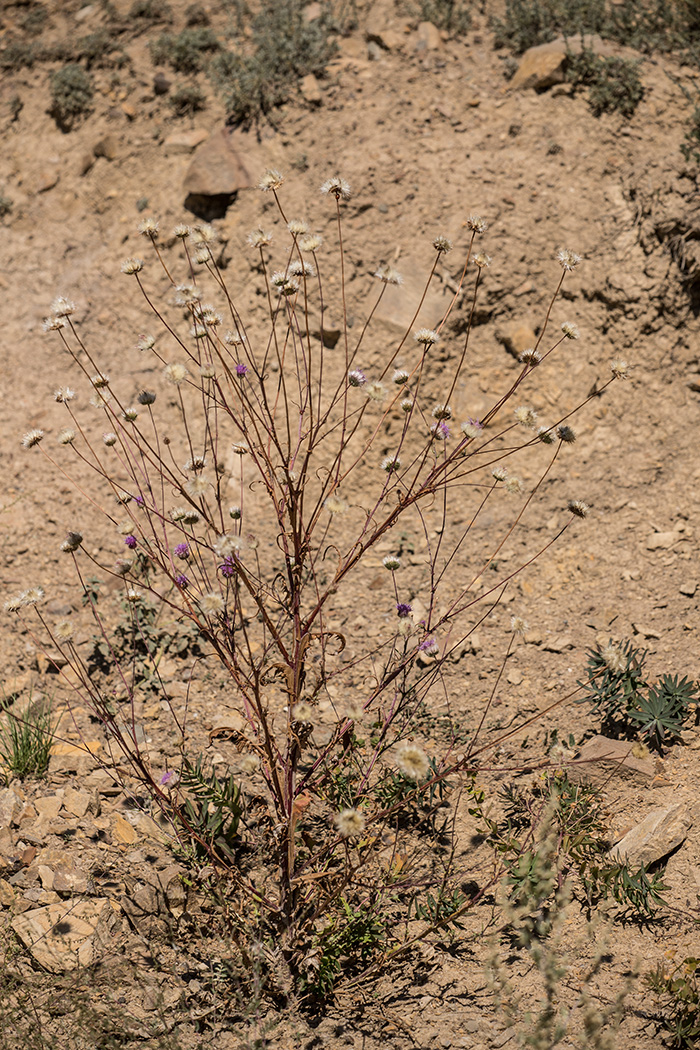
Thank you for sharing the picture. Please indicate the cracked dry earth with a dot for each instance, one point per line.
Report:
(96, 909)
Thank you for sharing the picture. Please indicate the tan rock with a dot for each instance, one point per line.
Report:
(661, 831)
(311, 89)
(399, 302)
(427, 38)
(65, 936)
(123, 831)
(601, 760)
(46, 180)
(11, 805)
(77, 802)
(184, 141)
(516, 336)
(107, 147)
(48, 806)
(222, 167)
(540, 68)
(662, 540)
(7, 894)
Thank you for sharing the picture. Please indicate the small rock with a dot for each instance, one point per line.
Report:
(77, 803)
(689, 588)
(65, 936)
(123, 832)
(312, 12)
(184, 141)
(646, 630)
(600, 760)
(11, 805)
(84, 12)
(558, 643)
(662, 540)
(85, 162)
(331, 332)
(7, 894)
(161, 84)
(74, 758)
(516, 336)
(310, 89)
(46, 181)
(129, 110)
(48, 806)
(387, 39)
(13, 687)
(229, 161)
(107, 147)
(661, 831)
(545, 65)
(514, 677)
(427, 37)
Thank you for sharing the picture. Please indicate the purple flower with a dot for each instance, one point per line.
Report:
(241, 370)
(429, 646)
(138, 500)
(476, 423)
(357, 377)
(228, 568)
(167, 776)
(403, 609)
(440, 430)
(182, 581)
(182, 550)
(130, 541)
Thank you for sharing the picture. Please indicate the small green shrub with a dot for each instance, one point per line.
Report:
(679, 992)
(187, 100)
(614, 84)
(19, 54)
(151, 11)
(71, 95)
(25, 743)
(452, 15)
(628, 704)
(186, 52)
(97, 49)
(33, 22)
(210, 818)
(196, 15)
(527, 23)
(285, 48)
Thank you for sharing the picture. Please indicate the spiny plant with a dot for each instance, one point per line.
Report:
(287, 469)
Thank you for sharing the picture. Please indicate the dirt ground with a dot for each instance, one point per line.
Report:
(426, 130)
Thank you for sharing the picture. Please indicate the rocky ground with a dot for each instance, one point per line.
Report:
(427, 129)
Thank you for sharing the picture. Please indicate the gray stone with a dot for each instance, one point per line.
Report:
(661, 831)
(427, 37)
(11, 805)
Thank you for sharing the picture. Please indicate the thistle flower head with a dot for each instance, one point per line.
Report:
(99, 381)
(426, 337)
(518, 625)
(357, 377)
(145, 342)
(63, 630)
(271, 180)
(66, 436)
(259, 238)
(122, 566)
(228, 545)
(400, 377)
(388, 275)
(182, 550)
(442, 245)
(197, 486)
(391, 464)
(131, 542)
(578, 508)
(301, 269)
(349, 823)
(570, 330)
(477, 224)
(196, 463)
(131, 266)
(442, 412)
(525, 416)
(133, 595)
(72, 542)
(403, 609)
(284, 284)
(620, 369)
(429, 647)
(303, 712)
(338, 187)
(530, 357)
(109, 439)
(62, 307)
(406, 405)
(64, 394)
(146, 397)
(53, 324)
(482, 260)
(187, 295)
(298, 227)
(375, 391)
(182, 581)
(235, 513)
(391, 562)
(207, 370)
(181, 231)
(204, 233)
(130, 414)
(32, 438)
(175, 373)
(335, 504)
(567, 259)
(499, 473)
(614, 657)
(545, 435)
(440, 430)
(122, 496)
(472, 428)
(148, 228)
(411, 760)
(513, 485)
(212, 604)
(566, 434)
(310, 242)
